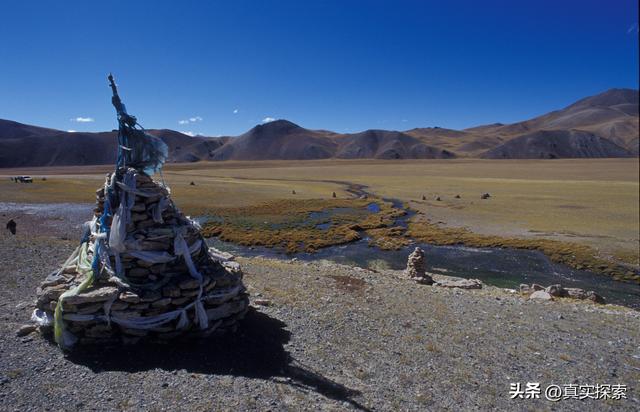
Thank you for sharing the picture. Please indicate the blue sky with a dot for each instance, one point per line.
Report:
(340, 65)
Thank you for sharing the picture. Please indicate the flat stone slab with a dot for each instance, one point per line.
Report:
(540, 295)
(461, 284)
(93, 295)
(220, 255)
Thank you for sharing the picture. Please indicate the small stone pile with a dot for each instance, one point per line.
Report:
(142, 271)
(538, 292)
(416, 267)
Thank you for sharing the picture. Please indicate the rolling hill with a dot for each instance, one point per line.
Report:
(604, 125)
(556, 144)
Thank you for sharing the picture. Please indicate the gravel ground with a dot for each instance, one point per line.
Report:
(331, 338)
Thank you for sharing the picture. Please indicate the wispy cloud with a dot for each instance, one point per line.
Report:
(194, 119)
(71, 131)
(404, 120)
(268, 119)
(235, 111)
(82, 119)
(632, 28)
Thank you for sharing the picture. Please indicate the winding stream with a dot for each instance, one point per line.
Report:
(500, 267)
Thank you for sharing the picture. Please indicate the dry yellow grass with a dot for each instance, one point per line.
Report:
(593, 202)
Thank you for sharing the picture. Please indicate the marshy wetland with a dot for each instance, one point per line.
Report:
(570, 219)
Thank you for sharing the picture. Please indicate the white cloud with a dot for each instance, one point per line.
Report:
(235, 111)
(71, 131)
(268, 119)
(404, 120)
(193, 119)
(82, 119)
(189, 133)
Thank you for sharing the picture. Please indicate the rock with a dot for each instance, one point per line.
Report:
(485, 196)
(180, 301)
(540, 295)
(424, 197)
(556, 290)
(576, 293)
(49, 294)
(525, 289)
(438, 198)
(233, 268)
(535, 286)
(460, 283)
(594, 297)
(416, 267)
(24, 330)
(220, 255)
(190, 293)
(161, 303)
(90, 309)
(262, 302)
(93, 295)
(129, 297)
(137, 217)
(171, 291)
(150, 296)
(139, 306)
(189, 283)
(458, 196)
(54, 279)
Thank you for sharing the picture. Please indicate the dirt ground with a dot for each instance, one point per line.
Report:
(331, 338)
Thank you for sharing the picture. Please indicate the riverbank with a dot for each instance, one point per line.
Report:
(590, 206)
(308, 225)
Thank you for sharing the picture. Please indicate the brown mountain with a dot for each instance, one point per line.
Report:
(604, 125)
(382, 144)
(276, 140)
(612, 115)
(26, 146)
(555, 144)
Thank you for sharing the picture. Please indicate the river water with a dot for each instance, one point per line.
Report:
(502, 267)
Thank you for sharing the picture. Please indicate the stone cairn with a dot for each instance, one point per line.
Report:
(142, 271)
(416, 267)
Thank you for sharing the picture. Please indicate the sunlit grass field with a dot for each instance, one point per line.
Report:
(588, 201)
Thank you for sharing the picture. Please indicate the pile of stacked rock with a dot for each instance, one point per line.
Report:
(142, 271)
(416, 267)
(416, 271)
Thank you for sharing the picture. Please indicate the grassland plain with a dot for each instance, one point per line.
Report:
(590, 203)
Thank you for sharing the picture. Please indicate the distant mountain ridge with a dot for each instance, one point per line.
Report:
(604, 125)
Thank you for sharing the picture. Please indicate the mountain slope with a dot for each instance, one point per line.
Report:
(276, 140)
(382, 144)
(612, 115)
(12, 130)
(27, 146)
(555, 144)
